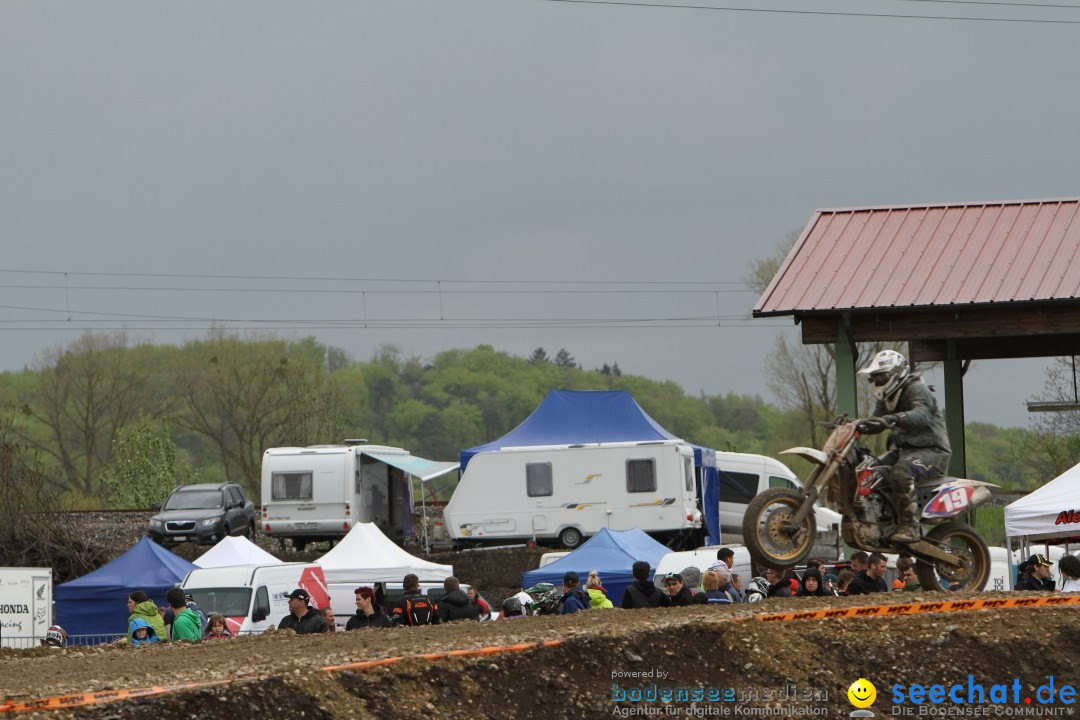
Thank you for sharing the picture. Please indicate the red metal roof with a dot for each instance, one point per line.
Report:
(930, 256)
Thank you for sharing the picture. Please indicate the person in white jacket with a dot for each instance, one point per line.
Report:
(1069, 567)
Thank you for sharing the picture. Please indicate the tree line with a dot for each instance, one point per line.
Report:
(106, 416)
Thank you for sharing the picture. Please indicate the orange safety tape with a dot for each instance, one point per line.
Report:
(924, 607)
(105, 696)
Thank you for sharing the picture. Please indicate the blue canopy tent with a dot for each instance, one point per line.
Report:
(567, 417)
(95, 604)
(611, 553)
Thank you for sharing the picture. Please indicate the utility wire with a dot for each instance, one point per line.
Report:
(480, 281)
(832, 13)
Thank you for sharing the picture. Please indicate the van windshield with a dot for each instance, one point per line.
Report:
(194, 500)
(230, 602)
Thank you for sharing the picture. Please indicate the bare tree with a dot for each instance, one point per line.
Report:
(80, 398)
(803, 378)
(246, 394)
(1054, 446)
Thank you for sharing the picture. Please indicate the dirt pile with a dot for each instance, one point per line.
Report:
(764, 665)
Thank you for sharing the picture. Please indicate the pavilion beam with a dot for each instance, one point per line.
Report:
(954, 411)
(846, 356)
(958, 323)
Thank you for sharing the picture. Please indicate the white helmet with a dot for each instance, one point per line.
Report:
(887, 372)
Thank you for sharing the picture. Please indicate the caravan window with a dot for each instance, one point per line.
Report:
(688, 467)
(291, 486)
(641, 475)
(737, 487)
(538, 479)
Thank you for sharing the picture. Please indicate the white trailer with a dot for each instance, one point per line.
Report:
(25, 606)
(321, 492)
(569, 492)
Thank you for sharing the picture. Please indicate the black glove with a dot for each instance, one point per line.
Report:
(871, 426)
(891, 420)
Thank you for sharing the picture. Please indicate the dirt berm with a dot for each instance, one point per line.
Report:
(790, 668)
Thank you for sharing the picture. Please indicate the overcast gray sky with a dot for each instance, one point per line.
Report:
(465, 141)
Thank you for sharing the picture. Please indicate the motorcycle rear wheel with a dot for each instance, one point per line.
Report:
(966, 542)
(765, 529)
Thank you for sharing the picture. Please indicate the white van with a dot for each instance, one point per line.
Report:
(321, 492)
(743, 475)
(703, 558)
(569, 492)
(254, 598)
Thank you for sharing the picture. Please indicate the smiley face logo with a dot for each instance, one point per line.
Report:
(862, 693)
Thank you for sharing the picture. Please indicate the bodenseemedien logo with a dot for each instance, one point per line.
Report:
(862, 694)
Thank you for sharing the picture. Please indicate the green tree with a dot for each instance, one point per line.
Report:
(145, 468)
(246, 394)
(80, 398)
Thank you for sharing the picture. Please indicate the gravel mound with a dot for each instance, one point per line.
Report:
(279, 673)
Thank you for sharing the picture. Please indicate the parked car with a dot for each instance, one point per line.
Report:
(203, 514)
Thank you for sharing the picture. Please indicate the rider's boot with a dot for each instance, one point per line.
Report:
(909, 530)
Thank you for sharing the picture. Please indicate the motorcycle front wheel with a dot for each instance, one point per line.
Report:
(961, 540)
(768, 533)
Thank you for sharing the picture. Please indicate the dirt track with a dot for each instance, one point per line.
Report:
(279, 673)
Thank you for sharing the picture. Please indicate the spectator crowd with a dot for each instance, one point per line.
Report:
(181, 619)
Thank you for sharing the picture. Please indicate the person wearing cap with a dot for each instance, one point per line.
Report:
(186, 624)
(1037, 576)
(368, 614)
(573, 598)
(302, 618)
(642, 593)
(678, 591)
(455, 603)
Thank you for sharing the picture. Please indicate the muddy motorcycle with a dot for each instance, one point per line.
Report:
(779, 527)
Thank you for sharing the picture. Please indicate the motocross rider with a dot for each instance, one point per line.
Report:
(919, 442)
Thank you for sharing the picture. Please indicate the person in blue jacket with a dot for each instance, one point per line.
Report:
(574, 598)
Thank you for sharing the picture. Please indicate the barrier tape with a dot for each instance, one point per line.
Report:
(924, 607)
(95, 698)
(107, 696)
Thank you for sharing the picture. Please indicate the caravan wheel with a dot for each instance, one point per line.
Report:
(570, 538)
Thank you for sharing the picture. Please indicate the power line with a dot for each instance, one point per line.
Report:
(830, 13)
(386, 291)
(302, 278)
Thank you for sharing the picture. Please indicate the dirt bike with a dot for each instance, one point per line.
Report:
(779, 526)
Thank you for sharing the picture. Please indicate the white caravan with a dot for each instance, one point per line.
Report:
(569, 492)
(254, 598)
(321, 492)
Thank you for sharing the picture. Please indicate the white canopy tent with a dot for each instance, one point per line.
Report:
(366, 556)
(1052, 511)
(235, 551)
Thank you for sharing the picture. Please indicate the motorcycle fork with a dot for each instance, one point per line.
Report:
(820, 481)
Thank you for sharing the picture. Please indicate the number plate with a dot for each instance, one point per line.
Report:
(180, 538)
(307, 526)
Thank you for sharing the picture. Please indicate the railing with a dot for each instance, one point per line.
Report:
(21, 642)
